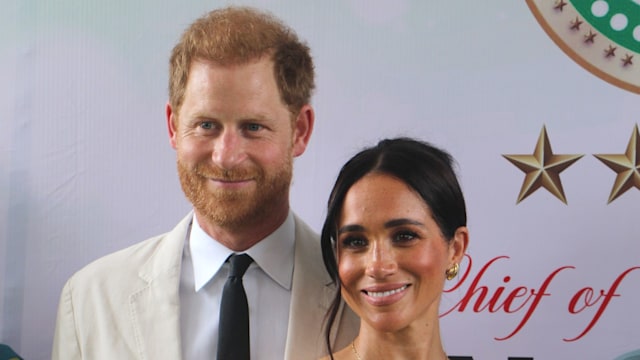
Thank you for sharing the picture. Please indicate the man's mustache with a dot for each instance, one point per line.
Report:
(227, 174)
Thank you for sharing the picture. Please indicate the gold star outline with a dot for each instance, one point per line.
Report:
(626, 165)
(542, 168)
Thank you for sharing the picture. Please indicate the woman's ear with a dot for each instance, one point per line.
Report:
(458, 245)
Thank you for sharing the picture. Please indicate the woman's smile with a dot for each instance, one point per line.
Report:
(378, 296)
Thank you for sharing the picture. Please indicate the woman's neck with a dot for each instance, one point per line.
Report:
(413, 343)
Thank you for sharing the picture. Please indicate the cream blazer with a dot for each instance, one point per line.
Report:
(126, 304)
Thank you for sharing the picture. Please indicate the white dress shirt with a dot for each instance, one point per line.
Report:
(267, 283)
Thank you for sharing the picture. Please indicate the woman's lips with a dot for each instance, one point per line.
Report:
(386, 295)
(386, 292)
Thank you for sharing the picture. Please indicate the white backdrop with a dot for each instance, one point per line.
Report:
(86, 168)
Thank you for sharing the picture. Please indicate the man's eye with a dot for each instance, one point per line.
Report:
(254, 127)
(206, 125)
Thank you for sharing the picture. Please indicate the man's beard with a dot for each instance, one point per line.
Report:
(232, 208)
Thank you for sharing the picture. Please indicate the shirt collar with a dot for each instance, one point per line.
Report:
(273, 254)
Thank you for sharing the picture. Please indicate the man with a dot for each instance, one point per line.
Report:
(238, 113)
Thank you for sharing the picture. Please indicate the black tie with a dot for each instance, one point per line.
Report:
(233, 329)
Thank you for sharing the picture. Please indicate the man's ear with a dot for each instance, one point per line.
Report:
(302, 129)
(171, 125)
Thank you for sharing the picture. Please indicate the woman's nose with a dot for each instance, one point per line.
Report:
(381, 261)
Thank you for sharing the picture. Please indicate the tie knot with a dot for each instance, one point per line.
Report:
(239, 264)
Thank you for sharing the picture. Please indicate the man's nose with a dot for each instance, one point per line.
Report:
(229, 149)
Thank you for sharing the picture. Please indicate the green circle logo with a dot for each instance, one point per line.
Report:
(618, 20)
(603, 36)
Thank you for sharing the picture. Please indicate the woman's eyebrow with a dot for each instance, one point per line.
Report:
(399, 222)
(389, 224)
(350, 228)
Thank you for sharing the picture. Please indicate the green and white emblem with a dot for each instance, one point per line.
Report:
(603, 36)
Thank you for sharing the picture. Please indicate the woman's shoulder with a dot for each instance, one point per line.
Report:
(344, 354)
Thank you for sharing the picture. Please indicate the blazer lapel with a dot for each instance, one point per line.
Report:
(310, 298)
(154, 308)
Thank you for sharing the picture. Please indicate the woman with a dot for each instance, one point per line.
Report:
(395, 230)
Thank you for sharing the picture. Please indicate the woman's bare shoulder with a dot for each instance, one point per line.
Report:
(344, 354)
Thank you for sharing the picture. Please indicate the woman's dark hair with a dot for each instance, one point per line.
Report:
(426, 169)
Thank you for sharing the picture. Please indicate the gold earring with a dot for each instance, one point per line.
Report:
(452, 271)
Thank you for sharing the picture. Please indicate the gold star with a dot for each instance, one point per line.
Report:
(575, 24)
(589, 38)
(626, 165)
(560, 5)
(626, 61)
(611, 51)
(543, 168)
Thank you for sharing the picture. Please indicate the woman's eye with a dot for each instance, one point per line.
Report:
(404, 236)
(354, 242)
